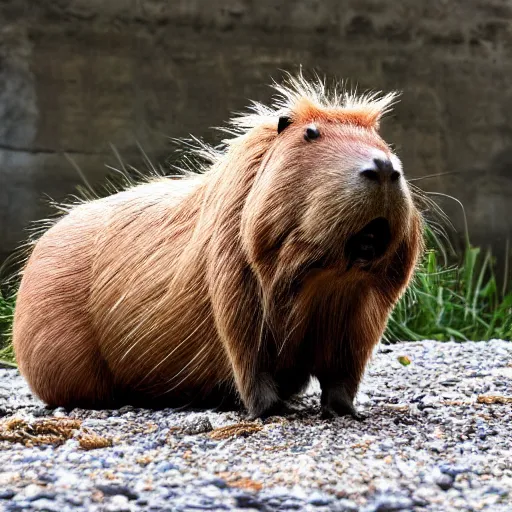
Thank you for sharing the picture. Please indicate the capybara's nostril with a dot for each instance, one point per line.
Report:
(370, 174)
(382, 173)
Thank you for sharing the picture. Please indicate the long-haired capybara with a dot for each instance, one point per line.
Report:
(280, 262)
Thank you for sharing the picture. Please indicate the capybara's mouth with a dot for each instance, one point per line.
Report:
(370, 243)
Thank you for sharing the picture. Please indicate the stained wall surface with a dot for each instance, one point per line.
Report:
(78, 76)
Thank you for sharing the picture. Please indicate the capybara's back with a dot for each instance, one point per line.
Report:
(281, 262)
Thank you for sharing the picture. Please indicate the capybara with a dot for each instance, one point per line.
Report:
(281, 261)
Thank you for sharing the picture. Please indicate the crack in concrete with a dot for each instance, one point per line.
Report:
(46, 151)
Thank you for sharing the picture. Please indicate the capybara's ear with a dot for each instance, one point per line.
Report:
(284, 121)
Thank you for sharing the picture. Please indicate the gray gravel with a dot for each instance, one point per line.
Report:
(428, 444)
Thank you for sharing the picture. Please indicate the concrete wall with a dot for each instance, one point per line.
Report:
(79, 75)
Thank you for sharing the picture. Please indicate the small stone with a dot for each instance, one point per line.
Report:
(74, 457)
(436, 447)
(482, 433)
(290, 504)
(164, 466)
(248, 501)
(430, 401)
(115, 489)
(445, 481)
(217, 482)
(48, 478)
(386, 445)
(67, 479)
(319, 500)
(118, 503)
(31, 491)
(496, 490)
(198, 425)
(453, 471)
(345, 505)
(6, 494)
(450, 382)
(73, 500)
(391, 503)
(46, 505)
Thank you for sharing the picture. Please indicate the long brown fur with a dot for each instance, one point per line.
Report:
(234, 283)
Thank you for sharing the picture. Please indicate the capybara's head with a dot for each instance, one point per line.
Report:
(329, 191)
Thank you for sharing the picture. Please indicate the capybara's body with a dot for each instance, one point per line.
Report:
(281, 262)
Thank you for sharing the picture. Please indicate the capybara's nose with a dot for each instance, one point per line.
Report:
(383, 172)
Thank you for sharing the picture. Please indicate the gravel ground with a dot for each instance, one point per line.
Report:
(437, 437)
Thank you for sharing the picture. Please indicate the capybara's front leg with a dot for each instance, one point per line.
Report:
(341, 370)
(338, 394)
(257, 388)
(261, 398)
(240, 332)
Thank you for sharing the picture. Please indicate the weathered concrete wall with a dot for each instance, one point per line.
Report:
(79, 75)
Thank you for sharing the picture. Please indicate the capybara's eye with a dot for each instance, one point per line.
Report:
(312, 132)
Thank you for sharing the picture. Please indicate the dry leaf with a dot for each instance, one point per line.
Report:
(246, 484)
(236, 430)
(240, 482)
(54, 431)
(494, 399)
(91, 441)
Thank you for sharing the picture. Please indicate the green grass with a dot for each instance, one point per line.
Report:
(6, 315)
(458, 302)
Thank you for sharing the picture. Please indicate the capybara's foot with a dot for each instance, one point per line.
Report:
(278, 409)
(263, 400)
(337, 401)
(330, 413)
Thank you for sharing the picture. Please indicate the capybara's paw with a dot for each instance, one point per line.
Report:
(263, 399)
(330, 412)
(280, 408)
(337, 401)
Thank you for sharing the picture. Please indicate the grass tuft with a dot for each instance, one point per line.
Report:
(6, 316)
(450, 302)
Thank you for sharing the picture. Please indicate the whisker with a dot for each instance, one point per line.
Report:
(448, 196)
(433, 176)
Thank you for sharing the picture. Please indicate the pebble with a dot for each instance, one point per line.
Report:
(46, 505)
(117, 490)
(248, 501)
(319, 500)
(445, 481)
(198, 425)
(164, 466)
(391, 503)
(118, 503)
